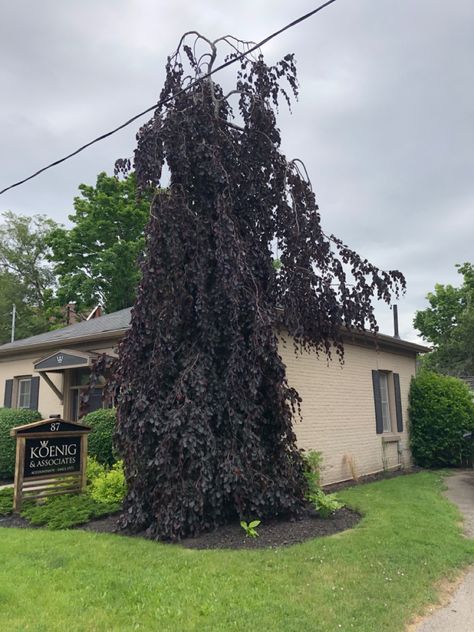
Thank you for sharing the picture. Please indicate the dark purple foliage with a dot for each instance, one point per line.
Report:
(204, 409)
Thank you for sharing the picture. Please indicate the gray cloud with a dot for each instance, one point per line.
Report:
(384, 120)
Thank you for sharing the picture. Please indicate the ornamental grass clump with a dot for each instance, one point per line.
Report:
(204, 410)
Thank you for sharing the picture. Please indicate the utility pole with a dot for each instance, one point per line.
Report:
(13, 322)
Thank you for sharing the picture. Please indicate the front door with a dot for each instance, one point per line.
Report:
(79, 384)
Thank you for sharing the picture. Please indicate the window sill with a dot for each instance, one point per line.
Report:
(391, 438)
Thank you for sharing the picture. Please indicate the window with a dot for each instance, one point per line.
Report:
(79, 380)
(21, 392)
(385, 401)
(24, 392)
(388, 403)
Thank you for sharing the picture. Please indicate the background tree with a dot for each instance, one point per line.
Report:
(204, 408)
(26, 277)
(448, 323)
(29, 319)
(96, 260)
(24, 250)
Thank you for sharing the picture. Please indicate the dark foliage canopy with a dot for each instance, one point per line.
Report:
(204, 408)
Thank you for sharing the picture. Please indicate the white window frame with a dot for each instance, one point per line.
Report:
(23, 397)
(385, 401)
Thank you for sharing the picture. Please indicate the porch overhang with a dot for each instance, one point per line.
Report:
(64, 359)
(60, 361)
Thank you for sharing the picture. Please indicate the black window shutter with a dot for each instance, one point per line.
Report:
(378, 402)
(7, 400)
(398, 401)
(34, 393)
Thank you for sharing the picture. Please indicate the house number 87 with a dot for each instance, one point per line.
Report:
(54, 427)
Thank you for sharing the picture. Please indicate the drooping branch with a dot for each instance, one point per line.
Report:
(205, 413)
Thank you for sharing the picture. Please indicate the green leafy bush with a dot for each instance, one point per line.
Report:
(62, 512)
(102, 422)
(94, 469)
(325, 504)
(9, 418)
(312, 470)
(441, 410)
(109, 486)
(105, 492)
(250, 528)
(6, 501)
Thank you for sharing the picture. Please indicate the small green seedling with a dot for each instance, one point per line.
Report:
(250, 528)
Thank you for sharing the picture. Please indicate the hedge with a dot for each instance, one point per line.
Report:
(102, 422)
(441, 410)
(9, 418)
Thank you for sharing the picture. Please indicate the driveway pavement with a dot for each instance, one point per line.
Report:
(458, 614)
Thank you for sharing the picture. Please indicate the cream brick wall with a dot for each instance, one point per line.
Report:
(48, 403)
(338, 403)
(22, 365)
(338, 408)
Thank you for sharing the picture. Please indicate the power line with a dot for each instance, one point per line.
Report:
(168, 99)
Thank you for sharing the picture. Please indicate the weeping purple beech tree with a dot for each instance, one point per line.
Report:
(204, 408)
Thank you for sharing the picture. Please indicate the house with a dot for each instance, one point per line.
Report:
(355, 414)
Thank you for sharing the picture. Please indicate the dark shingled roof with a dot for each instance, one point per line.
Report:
(109, 323)
(119, 321)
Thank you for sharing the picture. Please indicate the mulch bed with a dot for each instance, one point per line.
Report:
(272, 533)
(275, 533)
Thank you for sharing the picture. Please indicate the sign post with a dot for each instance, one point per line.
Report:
(51, 459)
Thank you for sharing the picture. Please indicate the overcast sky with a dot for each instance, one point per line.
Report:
(384, 122)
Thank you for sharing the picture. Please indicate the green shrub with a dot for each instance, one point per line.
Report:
(325, 504)
(441, 410)
(9, 418)
(62, 512)
(105, 492)
(312, 470)
(6, 501)
(109, 486)
(94, 469)
(250, 528)
(102, 423)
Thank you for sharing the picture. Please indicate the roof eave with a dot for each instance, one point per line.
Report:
(50, 344)
(383, 340)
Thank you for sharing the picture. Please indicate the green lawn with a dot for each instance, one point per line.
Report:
(371, 578)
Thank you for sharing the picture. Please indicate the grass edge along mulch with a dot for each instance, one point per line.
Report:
(377, 576)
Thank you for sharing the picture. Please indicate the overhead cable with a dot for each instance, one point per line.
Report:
(168, 99)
